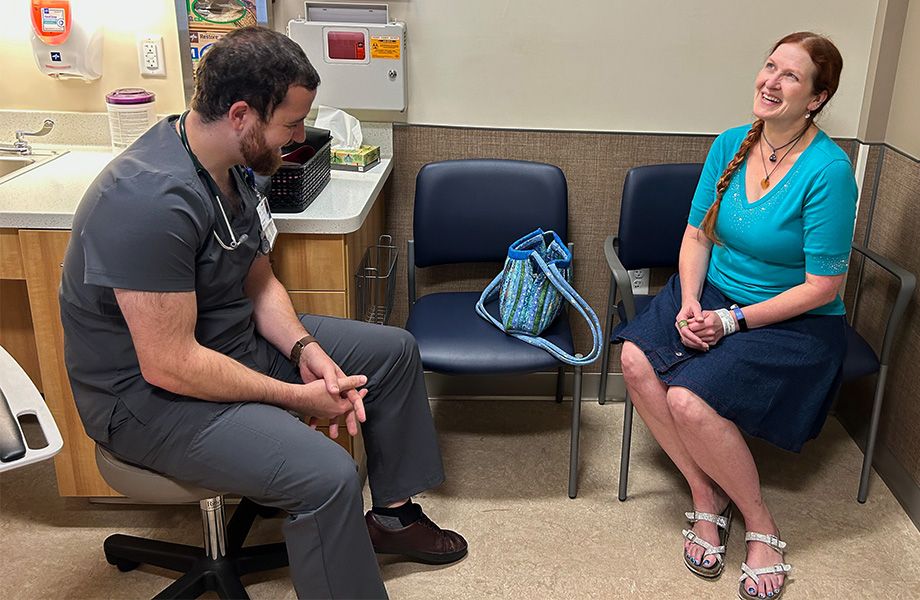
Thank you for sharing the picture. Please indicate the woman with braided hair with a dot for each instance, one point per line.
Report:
(749, 336)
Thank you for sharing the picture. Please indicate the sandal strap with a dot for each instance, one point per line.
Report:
(770, 540)
(748, 572)
(710, 549)
(719, 520)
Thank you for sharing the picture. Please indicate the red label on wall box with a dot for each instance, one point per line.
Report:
(346, 45)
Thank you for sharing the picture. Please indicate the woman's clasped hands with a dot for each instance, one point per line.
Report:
(699, 329)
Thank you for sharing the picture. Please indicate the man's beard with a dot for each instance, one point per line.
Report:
(258, 156)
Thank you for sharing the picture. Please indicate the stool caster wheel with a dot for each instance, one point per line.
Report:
(124, 565)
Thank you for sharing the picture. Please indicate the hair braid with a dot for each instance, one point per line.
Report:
(709, 221)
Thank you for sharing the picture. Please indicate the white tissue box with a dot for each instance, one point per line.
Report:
(359, 159)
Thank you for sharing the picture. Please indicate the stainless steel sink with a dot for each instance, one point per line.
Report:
(14, 166)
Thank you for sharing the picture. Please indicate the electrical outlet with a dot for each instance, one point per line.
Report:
(150, 55)
(639, 281)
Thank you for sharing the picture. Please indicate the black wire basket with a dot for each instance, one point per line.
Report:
(294, 187)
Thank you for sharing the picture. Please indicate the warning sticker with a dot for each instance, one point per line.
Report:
(385, 46)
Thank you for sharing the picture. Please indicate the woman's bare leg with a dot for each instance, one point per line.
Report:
(650, 397)
(719, 450)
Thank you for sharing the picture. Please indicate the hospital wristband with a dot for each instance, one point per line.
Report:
(728, 323)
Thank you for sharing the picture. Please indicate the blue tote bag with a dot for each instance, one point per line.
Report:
(534, 286)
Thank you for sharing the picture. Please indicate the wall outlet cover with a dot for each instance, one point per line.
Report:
(150, 56)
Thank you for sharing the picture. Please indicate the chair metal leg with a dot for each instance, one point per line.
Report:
(624, 452)
(873, 431)
(560, 385)
(605, 353)
(602, 386)
(576, 428)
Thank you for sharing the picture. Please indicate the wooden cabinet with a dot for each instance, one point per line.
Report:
(75, 465)
(317, 271)
(16, 333)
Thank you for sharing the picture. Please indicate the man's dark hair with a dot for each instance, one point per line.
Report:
(254, 64)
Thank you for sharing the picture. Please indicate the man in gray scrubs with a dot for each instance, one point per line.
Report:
(185, 354)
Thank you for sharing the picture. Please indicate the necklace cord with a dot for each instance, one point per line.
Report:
(765, 182)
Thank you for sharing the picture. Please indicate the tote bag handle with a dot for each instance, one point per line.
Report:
(569, 293)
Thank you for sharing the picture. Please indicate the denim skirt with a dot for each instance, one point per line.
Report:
(776, 382)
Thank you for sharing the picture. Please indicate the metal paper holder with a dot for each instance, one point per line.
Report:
(375, 282)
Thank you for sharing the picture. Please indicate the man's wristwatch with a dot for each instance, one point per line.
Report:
(297, 350)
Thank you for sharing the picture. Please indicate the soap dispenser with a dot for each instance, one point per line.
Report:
(66, 39)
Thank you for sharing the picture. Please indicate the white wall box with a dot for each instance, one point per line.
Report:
(359, 54)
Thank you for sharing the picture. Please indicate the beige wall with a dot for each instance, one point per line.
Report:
(24, 87)
(904, 118)
(616, 65)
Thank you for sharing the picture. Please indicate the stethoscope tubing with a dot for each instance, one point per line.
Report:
(212, 187)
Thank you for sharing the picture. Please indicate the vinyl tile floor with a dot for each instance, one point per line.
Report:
(507, 470)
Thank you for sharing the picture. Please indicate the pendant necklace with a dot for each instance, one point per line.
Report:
(765, 182)
(773, 155)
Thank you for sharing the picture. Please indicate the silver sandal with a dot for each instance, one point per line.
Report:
(723, 522)
(779, 568)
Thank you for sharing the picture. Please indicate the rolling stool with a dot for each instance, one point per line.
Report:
(217, 566)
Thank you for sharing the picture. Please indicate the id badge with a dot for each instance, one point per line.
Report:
(269, 230)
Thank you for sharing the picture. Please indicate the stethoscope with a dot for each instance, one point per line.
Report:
(212, 187)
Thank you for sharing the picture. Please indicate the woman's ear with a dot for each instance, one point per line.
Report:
(819, 100)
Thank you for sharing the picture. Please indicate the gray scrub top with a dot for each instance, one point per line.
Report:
(146, 223)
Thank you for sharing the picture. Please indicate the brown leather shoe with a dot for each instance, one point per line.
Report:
(422, 540)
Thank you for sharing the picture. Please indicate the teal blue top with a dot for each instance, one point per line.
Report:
(803, 224)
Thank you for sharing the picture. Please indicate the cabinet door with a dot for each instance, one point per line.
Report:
(310, 262)
(332, 304)
(43, 255)
(16, 334)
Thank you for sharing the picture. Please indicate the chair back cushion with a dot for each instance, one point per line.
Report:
(472, 210)
(653, 216)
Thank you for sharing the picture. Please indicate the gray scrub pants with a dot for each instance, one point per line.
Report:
(266, 454)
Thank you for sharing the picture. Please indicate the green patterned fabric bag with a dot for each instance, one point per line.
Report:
(534, 286)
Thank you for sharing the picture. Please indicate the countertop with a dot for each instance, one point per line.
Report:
(46, 196)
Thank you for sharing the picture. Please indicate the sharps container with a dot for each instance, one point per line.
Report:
(132, 111)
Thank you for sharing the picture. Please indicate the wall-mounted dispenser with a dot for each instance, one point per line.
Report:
(66, 39)
(359, 53)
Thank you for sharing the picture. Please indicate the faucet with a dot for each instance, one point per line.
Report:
(21, 146)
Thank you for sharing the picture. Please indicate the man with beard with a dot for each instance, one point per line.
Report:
(185, 354)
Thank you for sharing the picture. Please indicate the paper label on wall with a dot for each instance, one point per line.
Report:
(385, 46)
(53, 20)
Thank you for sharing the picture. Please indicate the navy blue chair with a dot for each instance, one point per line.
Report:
(656, 204)
(861, 359)
(470, 211)
(653, 217)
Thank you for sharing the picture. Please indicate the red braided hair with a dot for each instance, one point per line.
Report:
(708, 226)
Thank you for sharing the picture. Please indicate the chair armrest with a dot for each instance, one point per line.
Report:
(22, 398)
(12, 445)
(620, 276)
(907, 284)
